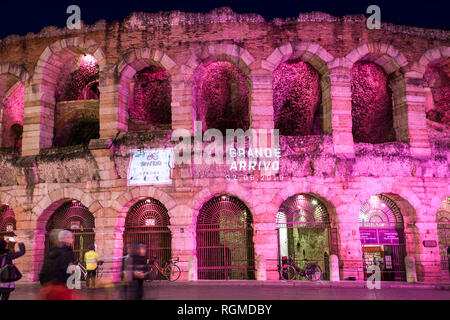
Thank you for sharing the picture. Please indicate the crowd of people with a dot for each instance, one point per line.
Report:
(59, 270)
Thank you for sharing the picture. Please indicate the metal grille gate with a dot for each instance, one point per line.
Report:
(75, 217)
(225, 240)
(147, 222)
(380, 212)
(306, 212)
(444, 239)
(7, 224)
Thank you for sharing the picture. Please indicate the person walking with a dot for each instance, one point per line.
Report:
(137, 270)
(53, 276)
(91, 257)
(6, 258)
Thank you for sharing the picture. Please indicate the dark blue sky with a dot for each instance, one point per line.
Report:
(20, 17)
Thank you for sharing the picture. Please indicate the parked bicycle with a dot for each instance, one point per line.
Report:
(99, 273)
(170, 270)
(311, 271)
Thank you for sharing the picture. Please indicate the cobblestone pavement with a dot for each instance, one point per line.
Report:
(259, 291)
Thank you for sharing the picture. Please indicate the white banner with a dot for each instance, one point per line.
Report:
(150, 167)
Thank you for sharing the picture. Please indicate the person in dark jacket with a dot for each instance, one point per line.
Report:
(6, 257)
(53, 276)
(137, 270)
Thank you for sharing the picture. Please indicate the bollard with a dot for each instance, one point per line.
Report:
(410, 266)
(192, 265)
(261, 268)
(334, 268)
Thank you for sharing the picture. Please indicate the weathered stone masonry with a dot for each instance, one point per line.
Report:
(412, 171)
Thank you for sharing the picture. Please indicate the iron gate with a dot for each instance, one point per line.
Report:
(225, 240)
(381, 213)
(444, 240)
(147, 222)
(7, 224)
(75, 217)
(301, 212)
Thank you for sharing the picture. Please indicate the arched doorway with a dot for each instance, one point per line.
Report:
(75, 217)
(7, 223)
(147, 222)
(225, 240)
(304, 229)
(382, 238)
(443, 229)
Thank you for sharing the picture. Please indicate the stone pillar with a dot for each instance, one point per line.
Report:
(111, 118)
(334, 268)
(183, 247)
(410, 267)
(409, 115)
(183, 113)
(261, 109)
(192, 268)
(265, 242)
(33, 139)
(104, 239)
(341, 112)
(261, 273)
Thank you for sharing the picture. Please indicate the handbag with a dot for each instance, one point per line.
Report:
(9, 272)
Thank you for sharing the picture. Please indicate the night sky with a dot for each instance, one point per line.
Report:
(21, 17)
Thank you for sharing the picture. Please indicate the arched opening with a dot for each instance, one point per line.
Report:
(296, 99)
(148, 222)
(437, 88)
(372, 108)
(12, 100)
(221, 96)
(382, 238)
(77, 101)
(304, 229)
(150, 97)
(75, 217)
(7, 223)
(443, 230)
(225, 240)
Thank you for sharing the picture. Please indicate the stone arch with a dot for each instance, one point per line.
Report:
(132, 62)
(393, 62)
(45, 78)
(122, 205)
(234, 190)
(202, 56)
(315, 55)
(43, 211)
(17, 78)
(433, 69)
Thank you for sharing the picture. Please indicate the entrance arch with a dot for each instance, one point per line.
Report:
(148, 222)
(304, 229)
(75, 217)
(382, 237)
(443, 229)
(225, 248)
(7, 221)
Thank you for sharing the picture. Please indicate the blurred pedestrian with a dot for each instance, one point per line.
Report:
(6, 258)
(53, 276)
(91, 257)
(136, 270)
(448, 258)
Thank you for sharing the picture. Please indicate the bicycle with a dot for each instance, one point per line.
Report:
(312, 271)
(170, 270)
(99, 273)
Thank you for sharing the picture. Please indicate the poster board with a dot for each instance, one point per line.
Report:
(151, 166)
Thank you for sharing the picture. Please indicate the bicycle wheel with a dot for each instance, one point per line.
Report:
(289, 274)
(313, 272)
(99, 272)
(172, 272)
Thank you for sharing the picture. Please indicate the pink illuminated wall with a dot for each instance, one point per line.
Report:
(372, 116)
(151, 101)
(296, 98)
(13, 117)
(222, 96)
(78, 79)
(439, 82)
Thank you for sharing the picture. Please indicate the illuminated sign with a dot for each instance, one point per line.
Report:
(75, 225)
(9, 227)
(378, 236)
(150, 167)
